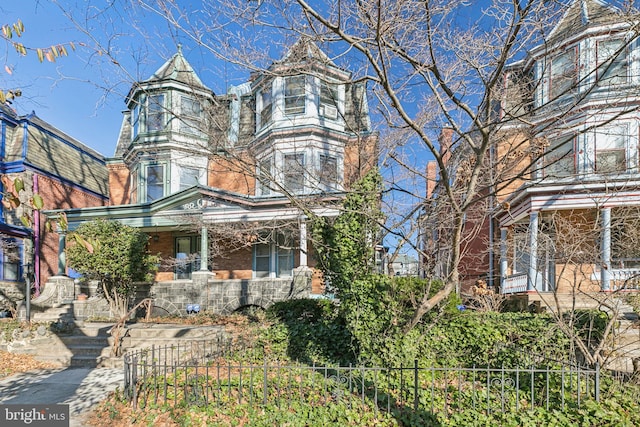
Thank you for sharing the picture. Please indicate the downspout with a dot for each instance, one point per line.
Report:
(3, 142)
(36, 239)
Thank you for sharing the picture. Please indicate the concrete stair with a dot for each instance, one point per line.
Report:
(139, 336)
(87, 345)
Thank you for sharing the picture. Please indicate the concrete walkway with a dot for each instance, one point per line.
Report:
(80, 388)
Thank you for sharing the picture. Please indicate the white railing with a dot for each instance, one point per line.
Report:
(514, 284)
(621, 278)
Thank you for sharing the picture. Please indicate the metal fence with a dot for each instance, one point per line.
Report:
(210, 373)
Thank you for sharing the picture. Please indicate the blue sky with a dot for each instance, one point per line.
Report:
(83, 94)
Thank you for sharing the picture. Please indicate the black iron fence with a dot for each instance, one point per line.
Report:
(216, 373)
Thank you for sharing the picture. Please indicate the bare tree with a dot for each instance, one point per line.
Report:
(429, 65)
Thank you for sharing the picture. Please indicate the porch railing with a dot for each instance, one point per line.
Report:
(514, 284)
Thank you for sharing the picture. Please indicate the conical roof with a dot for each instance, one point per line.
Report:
(178, 69)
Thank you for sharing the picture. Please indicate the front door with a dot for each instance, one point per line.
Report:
(187, 256)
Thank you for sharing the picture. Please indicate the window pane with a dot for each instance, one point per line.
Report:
(262, 259)
(294, 95)
(267, 108)
(189, 177)
(328, 171)
(155, 113)
(191, 119)
(328, 93)
(564, 73)
(155, 182)
(559, 161)
(264, 176)
(294, 172)
(612, 62)
(611, 149)
(11, 260)
(285, 257)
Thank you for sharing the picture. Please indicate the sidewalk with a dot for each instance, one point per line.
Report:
(80, 388)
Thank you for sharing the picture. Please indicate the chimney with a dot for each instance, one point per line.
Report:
(432, 177)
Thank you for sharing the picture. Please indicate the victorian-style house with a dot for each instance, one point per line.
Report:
(565, 218)
(225, 184)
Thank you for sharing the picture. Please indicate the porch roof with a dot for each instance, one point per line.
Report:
(207, 204)
(562, 196)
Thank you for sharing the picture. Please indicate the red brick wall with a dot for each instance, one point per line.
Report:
(57, 196)
(232, 174)
(119, 184)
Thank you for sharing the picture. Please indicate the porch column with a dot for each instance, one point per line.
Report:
(303, 242)
(504, 262)
(204, 249)
(533, 251)
(62, 256)
(605, 268)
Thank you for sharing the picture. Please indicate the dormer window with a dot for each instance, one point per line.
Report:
(191, 116)
(612, 62)
(564, 73)
(328, 173)
(328, 107)
(294, 95)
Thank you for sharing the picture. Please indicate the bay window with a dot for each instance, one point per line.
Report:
(328, 173)
(191, 119)
(189, 177)
(293, 171)
(328, 100)
(264, 177)
(564, 73)
(266, 107)
(559, 159)
(612, 62)
(294, 95)
(154, 181)
(611, 149)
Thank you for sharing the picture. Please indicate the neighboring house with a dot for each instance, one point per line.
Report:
(63, 171)
(232, 179)
(568, 221)
(404, 265)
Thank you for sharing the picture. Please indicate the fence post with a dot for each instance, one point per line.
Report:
(264, 385)
(415, 385)
(597, 384)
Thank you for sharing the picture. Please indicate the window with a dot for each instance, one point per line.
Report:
(189, 177)
(612, 62)
(11, 260)
(294, 172)
(284, 250)
(328, 175)
(280, 251)
(266, 111)
(155, 120)
(559, 160)
(148, 114)
(154, 182)
(328, 100)
(564, 73)
(135, 120)
(264, 176)
(191, 120)
(262, 260)
(294, 95)
(134, 186)
(611, 149)
(187, 250)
